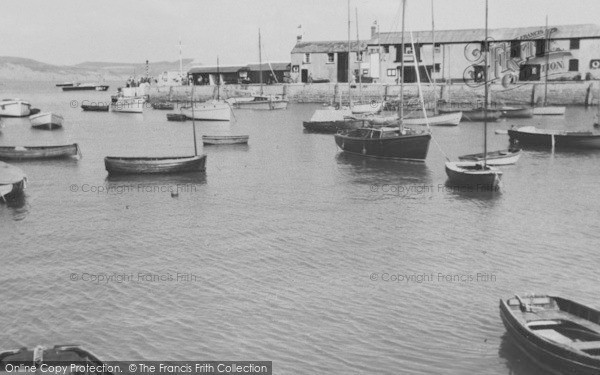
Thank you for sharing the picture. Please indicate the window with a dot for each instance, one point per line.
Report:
(386, 48)
(307, 58)
(515, 49)
(437, 68)
(359, 56)
(437, 48)
(398, 53)
(391, 72)
(540, 47)
(574, 44)
(573, 65)
(330, 57)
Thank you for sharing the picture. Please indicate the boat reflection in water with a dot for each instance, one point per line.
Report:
(176, 184)
(516, 362)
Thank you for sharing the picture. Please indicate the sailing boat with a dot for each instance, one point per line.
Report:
(158, 165)
(212, 110)
(333, 120)
(261, 101)
(395, 142)
(545, 109)
(474, 173)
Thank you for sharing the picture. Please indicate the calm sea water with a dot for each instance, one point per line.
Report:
(287, 250)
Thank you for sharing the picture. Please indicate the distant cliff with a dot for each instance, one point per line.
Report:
(22, 69)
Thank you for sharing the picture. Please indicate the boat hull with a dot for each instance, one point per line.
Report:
(209, 111)
(515, 112)
(46, 120)
(94, 108)
(467, 174)
(549, 111)
(14, 108)
(479, 115)
(261, 105)
(79, 88)
(102, 88)
(554, 357)
(332, 126)
(59, 355)
(406, 147)
(504, 157)
(159, 165)
(12, 181)
(374, 107)
(39, 152)
(176, 117)
(163, 106)
(530, 136)
(224, 139)
(446, 119)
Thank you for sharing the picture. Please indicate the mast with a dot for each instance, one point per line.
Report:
(485, 81)
(180, 60)
(194, 121)
(219, 80)
(433, 61)
(349, 67)
(547, 51)
(358, 61)
(260, 63)
(401, 104)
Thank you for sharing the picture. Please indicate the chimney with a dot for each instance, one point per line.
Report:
(373, 29)
(299, 35)
(299, 38)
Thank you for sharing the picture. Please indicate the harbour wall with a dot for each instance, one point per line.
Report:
(558, 93)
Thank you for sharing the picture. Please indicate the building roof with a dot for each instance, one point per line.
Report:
(327, 46)
(213, 69)
(504, 34)
(268, 66)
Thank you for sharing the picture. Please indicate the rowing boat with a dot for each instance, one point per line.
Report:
(39, 152)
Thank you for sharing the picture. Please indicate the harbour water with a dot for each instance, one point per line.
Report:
(286, 250)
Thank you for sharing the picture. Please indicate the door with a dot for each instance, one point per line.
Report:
(304, 75)
(342, 67)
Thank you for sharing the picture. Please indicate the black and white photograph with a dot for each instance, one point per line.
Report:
(280, 187)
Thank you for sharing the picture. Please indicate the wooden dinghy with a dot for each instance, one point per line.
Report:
(39, 152)
(225, 139)
(560, 335)
(532, 136)
(176, 117)
(59, 355)
(46, 120)
(500, 157)
(12, 181)
(150, 165)
(517, 112)
(473, 174)
(94, 108)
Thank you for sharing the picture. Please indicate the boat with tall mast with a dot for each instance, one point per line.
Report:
(116, 165)
(396, 142)
(212, 110)
(474, 173)
(545, 109)
(261, 101)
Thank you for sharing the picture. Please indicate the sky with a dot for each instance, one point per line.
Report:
(67, 32)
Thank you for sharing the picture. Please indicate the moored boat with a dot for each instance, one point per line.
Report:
(12, 181)
(480, 115)
(59, 355)
(95, 107)
(332, 121)
(444, 119)
(549, 110)
(46, 120)
(14, 108)
(265, 102)
(176, 117)
(558, 334)
(501, 157)
(79, 87)
(532, 136)
(151, 165)
(516, 112)
(385, 142)
(374, 107)
(64, 84)
(212, 110)
(476, 175)
(38, 152)
(225, 139)
(102, 87)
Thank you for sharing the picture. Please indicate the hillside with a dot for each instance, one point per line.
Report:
(22, 69)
